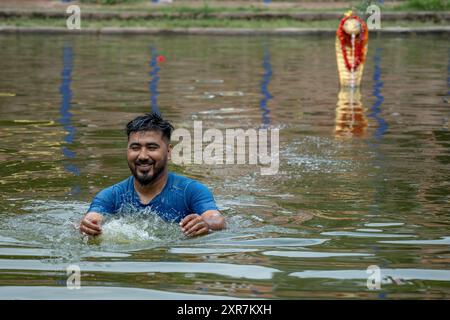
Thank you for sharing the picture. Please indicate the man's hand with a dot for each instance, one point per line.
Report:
(91, 224)
(194, 225)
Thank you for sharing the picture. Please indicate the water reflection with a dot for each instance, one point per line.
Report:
(379, 160)
(219, 269)
(447, 99)
(38, 252)
(350, 115)
(154, 79)
(388, 275)
(311, 254)
(266, 96)
(66, 116)
(443, 241)
(448, 74)
(99, 292)
(376, 107)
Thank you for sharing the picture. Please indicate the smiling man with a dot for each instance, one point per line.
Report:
(152, 188)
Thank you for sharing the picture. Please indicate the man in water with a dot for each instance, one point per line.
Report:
(152, 187)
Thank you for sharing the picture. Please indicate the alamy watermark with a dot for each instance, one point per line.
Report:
(73, 22)
(74, 277)
(229, 147)
(370, 9)
(374, 20)
(374, 278)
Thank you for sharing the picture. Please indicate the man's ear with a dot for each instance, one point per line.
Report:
(169, 150)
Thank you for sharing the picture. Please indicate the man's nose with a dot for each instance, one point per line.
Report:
(143, 154)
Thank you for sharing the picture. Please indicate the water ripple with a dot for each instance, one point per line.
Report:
(309, 254)
(406, 274)
(222, 269)
(96, 293)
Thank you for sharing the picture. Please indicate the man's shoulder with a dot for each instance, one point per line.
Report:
(126, 183)
(108, 200)
(185, 183)
(179, 181)
(197, 197)
(121, 187)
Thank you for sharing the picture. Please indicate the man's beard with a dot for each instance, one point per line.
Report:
(147, 178)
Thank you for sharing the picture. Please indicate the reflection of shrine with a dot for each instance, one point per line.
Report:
(351, 50)
(350, 114)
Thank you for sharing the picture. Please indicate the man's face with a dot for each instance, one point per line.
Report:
(147, 155)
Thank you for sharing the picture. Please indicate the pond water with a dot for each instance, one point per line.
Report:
(363, 180)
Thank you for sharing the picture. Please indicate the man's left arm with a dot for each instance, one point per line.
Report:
(196, 225)
(205, 216)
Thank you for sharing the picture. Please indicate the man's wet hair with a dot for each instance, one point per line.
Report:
(150, 122)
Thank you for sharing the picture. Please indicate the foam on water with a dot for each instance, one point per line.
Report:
(126, 232)
(139, 228)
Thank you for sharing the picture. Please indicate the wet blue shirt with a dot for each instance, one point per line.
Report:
(180, 197)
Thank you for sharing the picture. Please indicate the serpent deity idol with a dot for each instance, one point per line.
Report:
(351, 48)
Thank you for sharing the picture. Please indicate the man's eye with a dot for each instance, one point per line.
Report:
(135, 148)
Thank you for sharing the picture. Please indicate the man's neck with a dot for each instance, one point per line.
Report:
(148, 192)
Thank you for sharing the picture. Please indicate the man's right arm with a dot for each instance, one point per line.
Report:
(91, 224)
(103, 203)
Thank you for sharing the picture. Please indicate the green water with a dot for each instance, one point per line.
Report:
(368, 186)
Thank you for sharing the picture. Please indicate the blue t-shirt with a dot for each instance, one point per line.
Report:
(180, 197)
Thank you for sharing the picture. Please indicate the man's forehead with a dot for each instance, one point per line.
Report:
(150, 135)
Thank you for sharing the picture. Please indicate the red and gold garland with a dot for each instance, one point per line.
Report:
(360, 42)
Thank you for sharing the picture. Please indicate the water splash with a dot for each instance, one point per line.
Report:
(139, 229)
(52, 225)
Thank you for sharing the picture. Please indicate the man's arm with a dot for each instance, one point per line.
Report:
(91, 224)
(214, 219)
(102, 202)
(195, 225)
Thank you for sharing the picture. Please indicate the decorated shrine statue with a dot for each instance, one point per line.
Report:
(351, 49)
